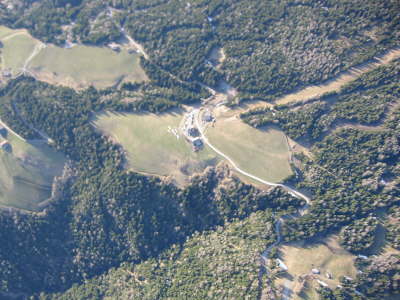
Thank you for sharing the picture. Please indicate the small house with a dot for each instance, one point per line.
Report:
(321, 283)
(281, 264)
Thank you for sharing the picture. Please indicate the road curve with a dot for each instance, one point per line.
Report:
(202, 135)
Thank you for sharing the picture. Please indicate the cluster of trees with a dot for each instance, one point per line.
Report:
(297, 123)
(360, 235)
(46, 19)
(271, 47)
(352, 174)
(392, 226)
(108, 215)
(378, 278)
(345, 179)
(325, 293)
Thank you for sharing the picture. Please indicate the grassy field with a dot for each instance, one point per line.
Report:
(81, 66)
(16, 51)
(151, 147)
(5, 31)
(263, 153)
(26, 173)
(77, 67)
(325, 255)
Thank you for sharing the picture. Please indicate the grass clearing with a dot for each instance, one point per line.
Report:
(16, 50)
(27, 173)
(81, 66)
(5, 31)
(77, 67)
(151, 146)
(325, 255)
(261, 152)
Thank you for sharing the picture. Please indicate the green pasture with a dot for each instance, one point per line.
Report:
(27, 173)
(263, 153)
(77, 67)
(81, 66)
(153, 149)
(326, 255)
(16, 50)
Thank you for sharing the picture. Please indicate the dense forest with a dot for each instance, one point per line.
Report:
(199, 269)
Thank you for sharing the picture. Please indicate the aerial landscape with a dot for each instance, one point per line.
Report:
(200, 149)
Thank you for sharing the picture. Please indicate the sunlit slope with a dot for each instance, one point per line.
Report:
(82, 66)
(263, 153)
(154, 145)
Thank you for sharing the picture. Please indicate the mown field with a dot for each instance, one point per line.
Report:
(17, 47)
(263, 153)
(27, 172)
(325, 255)
(77, 67)
(5, 31)
(82, 66)
(151, 147)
